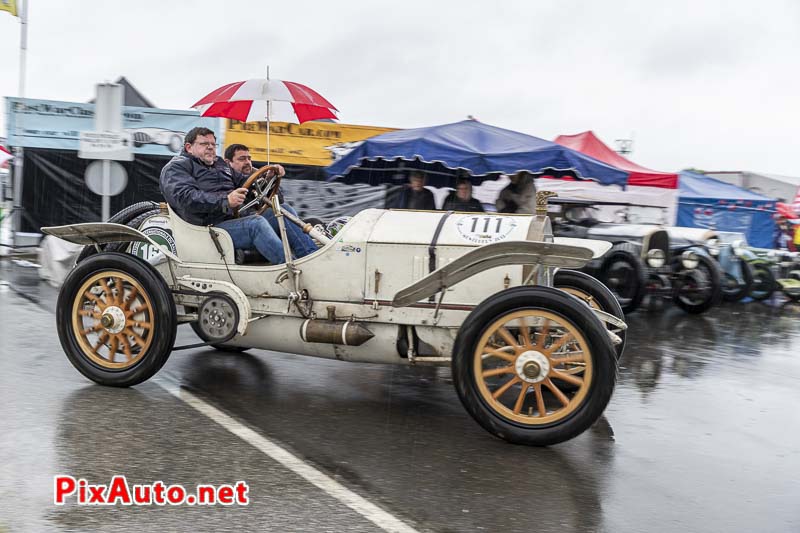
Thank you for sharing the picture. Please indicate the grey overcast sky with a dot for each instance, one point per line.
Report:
(705, 84)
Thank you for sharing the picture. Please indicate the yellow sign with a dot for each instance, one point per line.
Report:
(10, 6)
(313, 143)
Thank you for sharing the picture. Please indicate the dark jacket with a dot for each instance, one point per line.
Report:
(454, 203)
(405, 198)
(199, 193)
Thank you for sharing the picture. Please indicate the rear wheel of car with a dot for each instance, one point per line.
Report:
(509, 364)
(134, 223)
(116, 319)
(122, 217)
(624, 275)
(763, 282)
(699, 289)
(732, 289)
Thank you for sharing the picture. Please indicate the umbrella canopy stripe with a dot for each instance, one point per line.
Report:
(256, 110)
(222, 94)
(235, 110)
(5, 155)
(307, 112)
(306, 96)
(262, 89)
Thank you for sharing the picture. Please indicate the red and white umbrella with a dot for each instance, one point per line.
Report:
(265, 99)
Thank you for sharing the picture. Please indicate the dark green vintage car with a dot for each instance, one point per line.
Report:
(642, 261)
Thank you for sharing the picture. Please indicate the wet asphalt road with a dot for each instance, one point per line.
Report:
(702, 434)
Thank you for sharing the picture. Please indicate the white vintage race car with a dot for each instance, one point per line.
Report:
(531, 363)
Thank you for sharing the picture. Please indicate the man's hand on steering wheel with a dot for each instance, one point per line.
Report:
(263, 184)
(236, 197)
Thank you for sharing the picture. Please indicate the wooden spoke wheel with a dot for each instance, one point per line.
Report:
(116, 319)
(520, 364)
(512, 365)
(113, 320)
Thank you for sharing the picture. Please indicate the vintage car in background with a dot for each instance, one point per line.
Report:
(532, 363)
(169, 138)
(641, 261)
(773, 270)
(735, 273)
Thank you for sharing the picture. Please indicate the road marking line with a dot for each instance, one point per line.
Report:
(365, 508)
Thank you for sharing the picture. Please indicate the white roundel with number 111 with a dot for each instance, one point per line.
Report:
(485, 229)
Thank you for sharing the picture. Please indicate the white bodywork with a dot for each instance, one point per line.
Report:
(692, 234)
(359, 273)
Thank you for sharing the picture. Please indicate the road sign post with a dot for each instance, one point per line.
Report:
(108, 143)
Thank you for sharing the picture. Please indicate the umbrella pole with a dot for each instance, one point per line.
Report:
(269, 106)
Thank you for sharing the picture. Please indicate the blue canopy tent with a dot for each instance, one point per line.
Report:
(705, 202)
(468, 148)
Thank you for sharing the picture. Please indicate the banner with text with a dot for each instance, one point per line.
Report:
(312, 143)
(53, 124)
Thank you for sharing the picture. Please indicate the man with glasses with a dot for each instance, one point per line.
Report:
(204, 190)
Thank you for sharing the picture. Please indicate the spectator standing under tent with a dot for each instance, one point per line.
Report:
(519, 196)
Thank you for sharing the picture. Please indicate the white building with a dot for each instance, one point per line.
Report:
(782, 188)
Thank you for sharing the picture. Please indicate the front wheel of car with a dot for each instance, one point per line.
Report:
(176, 143)
(734, 290)
(699, 289)
(510, 360)
(116, 319)
(624, 275)
(763, 282)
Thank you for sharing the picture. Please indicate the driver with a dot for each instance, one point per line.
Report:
(204, 190)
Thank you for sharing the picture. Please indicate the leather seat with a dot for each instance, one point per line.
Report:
(248, 257)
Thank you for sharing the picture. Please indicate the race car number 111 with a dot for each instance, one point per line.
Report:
(485, 229)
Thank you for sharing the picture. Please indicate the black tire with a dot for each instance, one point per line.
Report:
(122, 217)
(135, 223)
(708, 273)
(589, 399)
(764, 282)
(597, 293)
(732, 290)
(159, 312)
(624, 274)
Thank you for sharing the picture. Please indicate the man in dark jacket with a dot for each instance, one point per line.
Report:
(204, 190)
(411, 196)
(461, 199)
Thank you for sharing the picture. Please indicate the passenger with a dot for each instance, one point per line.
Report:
(461, 199)
(204, 190)
(239, 159)
(412, 196)
(519, 196)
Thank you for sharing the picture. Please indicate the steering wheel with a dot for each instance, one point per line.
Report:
(261, 187)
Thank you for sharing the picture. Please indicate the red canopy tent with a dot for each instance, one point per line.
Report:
(589, 144)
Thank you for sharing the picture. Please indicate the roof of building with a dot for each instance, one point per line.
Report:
(131, 95)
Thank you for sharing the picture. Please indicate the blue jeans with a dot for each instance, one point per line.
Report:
(262, 233)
